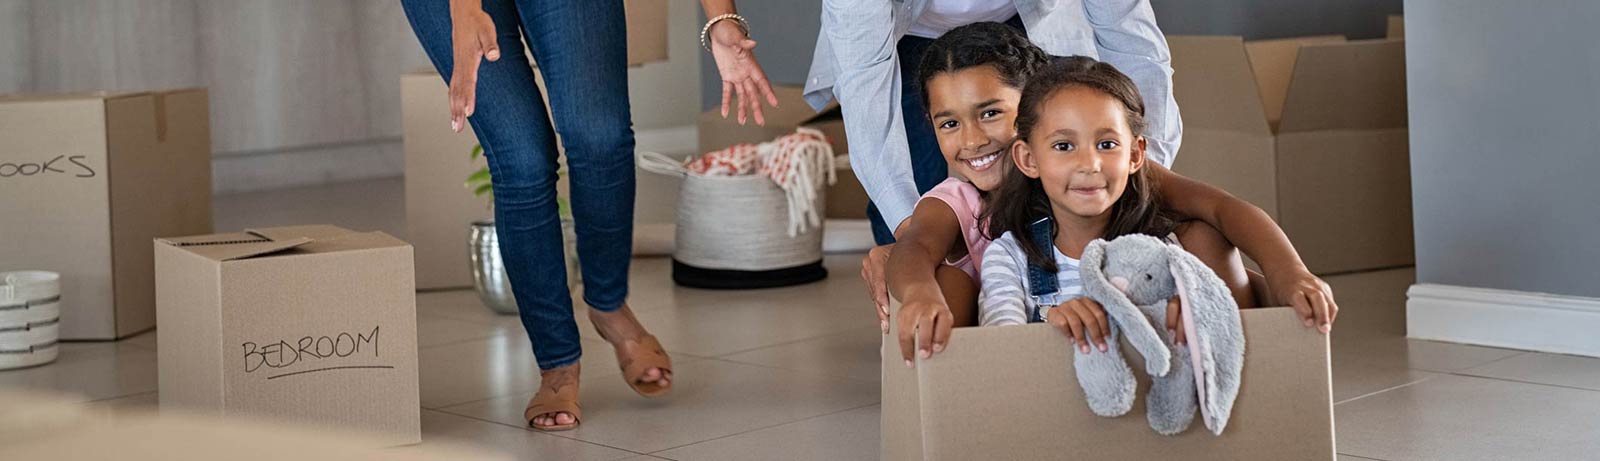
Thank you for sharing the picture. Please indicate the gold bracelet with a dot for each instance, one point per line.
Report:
(705, 32)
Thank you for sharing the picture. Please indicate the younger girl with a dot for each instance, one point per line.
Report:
(971, 79)
(1081, 175)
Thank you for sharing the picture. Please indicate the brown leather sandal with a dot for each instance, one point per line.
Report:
(559, 398)
(637, 358)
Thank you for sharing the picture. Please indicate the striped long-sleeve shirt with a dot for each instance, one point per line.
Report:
(1004, 299)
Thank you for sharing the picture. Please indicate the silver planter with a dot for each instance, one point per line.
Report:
(489, 274)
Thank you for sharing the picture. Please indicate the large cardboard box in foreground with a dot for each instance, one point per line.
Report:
(309, 324)
(86, 181)
(1312, 130)
(1011, 393)
(845, 199)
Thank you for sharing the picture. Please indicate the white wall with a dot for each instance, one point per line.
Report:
(302, 92)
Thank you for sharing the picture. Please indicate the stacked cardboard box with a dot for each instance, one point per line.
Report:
(86, 181)
(1312, 130)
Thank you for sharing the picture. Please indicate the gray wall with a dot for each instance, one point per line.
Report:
(786, 30)
(1505, 143)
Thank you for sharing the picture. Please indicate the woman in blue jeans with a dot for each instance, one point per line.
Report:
(580, 46)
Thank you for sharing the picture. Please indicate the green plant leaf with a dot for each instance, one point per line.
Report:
(486, 189)
(479, 176)
(476, 151)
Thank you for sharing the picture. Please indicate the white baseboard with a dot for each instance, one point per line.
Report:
(1504, 318)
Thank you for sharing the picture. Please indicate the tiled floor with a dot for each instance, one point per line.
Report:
(792, 373)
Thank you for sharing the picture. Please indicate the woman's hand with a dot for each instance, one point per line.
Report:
(925, 323)
(473, 36)
(1309, 295)
(872, 268)
(741, 74)
(1083, 320)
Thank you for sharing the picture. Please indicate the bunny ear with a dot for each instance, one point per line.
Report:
(1091, 268)
(1216, 336)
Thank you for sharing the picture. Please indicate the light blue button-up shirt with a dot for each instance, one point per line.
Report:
(855, 62)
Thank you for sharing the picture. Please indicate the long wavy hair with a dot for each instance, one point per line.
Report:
(1019, 201)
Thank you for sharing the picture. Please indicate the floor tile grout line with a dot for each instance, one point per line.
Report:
(1509, 380)
(801, 420)
(786, 343)
(136, 394)
(536, 431)
(796, 370)
(458, 341)
(1492, 362)
(1369, 394)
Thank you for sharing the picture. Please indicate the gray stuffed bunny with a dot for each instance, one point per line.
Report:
(1132, 277)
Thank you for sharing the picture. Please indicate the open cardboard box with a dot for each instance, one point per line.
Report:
(313, 325)
(1011, 393)
(1313, 131)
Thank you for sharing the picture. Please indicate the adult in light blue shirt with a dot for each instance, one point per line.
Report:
(868, 51)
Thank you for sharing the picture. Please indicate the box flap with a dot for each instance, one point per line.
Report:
(1272, 61)
(313, 232)
(1397, 26)
(1213, 85)
(308, 239)
(1358, 85)
(232, 246)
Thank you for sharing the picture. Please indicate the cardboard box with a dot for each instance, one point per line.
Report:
(846, 199)
(439, 208)
(1312, 130)
(647, 30)
(309, 324)
(1011, 393)
(86, 181)
(1397, 26)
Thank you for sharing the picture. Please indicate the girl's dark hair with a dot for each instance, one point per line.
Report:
(1020, 200)
(980, 44)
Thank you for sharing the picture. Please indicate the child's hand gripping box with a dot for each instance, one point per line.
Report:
(1011, 393)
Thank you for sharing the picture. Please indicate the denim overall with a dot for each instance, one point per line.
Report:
(1043, 286)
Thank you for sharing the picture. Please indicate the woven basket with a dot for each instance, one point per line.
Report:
(733, 232)
(30, 316)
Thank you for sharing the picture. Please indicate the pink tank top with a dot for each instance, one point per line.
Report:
(963, 198)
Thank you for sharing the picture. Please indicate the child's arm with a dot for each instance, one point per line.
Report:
(1249, 228)
(1003, 300)
(925, 317)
